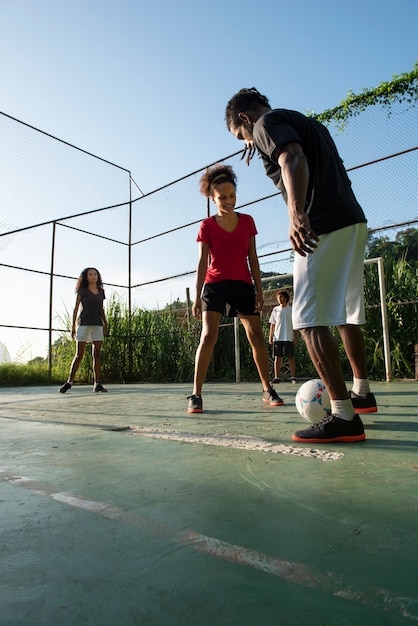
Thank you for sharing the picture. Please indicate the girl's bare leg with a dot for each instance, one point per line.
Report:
(208, 339)
(254, 331)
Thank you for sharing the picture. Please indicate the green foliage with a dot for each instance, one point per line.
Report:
(400, 262)
(274, 285)
(147, 345)
(402, 306)
(14, 374)
(402, 88)
(405, 245)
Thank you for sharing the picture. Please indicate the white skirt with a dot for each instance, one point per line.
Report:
(328, 284)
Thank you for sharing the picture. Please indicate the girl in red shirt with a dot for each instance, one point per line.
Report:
(228, 266)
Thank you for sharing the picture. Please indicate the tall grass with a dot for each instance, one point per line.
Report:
(401, 295)
(148, 345)
(16, 374)
(160, 346)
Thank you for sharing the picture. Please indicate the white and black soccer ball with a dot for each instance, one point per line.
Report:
(312, 400)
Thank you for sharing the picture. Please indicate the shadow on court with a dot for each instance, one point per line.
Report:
(120, 509)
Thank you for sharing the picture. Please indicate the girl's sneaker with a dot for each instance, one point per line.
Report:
(99, 388)
(270, 396)
(66, 386)
(195, 404)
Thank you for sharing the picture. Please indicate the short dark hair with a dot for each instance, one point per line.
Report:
(215, 175)
(245, 100)
(284, 292)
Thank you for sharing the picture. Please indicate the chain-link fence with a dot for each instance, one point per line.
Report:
(63, 209)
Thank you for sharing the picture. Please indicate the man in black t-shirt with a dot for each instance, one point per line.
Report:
(328, 232)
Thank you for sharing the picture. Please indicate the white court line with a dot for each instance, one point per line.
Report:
(297, 573)
(240, 442)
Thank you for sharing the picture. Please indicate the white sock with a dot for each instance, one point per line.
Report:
(343, 409)
(361, 386)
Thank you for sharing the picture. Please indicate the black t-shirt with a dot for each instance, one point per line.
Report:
(330, 201)
(92, 307)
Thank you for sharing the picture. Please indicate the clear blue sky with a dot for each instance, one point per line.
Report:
(144, 84)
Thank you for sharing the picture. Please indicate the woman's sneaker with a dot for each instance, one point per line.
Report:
(99, 389)
(363, 404)
(270, 396)
(195, 404)
(331, 428)
(66, 386)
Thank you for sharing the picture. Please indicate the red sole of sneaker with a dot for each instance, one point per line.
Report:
(352, 439)
(372, 409)
(195, 411)
(276, 403)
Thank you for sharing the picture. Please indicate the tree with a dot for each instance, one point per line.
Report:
(405, 245)
(408, 242)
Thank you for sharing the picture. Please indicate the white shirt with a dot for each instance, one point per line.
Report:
(281, 317)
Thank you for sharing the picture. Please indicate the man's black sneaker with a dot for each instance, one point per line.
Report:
(363, 404)
(276, 380)
(331, 428)
(99, 388)
(195, 404)
(65, 387)
(270, 396)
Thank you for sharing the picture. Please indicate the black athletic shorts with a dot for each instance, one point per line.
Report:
(236, 297)
(283, 348)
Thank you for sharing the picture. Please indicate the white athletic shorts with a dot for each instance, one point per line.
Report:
(328, 284)
(89, 333)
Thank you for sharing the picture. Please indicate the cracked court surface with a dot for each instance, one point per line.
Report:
(122, 509)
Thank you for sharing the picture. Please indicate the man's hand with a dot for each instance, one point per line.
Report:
(302, 237)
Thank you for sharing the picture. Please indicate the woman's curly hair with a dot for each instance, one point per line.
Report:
(214, 176)
(83, 282)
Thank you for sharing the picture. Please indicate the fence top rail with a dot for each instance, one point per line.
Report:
(67, 143)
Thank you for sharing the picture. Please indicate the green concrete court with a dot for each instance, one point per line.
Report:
(121, 509)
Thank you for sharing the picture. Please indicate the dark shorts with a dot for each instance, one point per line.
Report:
(283, 348)
(233, 296)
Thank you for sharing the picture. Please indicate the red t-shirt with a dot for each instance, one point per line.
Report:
(228, 251)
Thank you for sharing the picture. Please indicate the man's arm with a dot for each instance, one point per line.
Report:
(295, 178)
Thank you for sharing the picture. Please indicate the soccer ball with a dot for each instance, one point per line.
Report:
(312, 400)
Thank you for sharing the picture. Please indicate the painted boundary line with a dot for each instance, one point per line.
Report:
(240, 442)
(294, 572)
